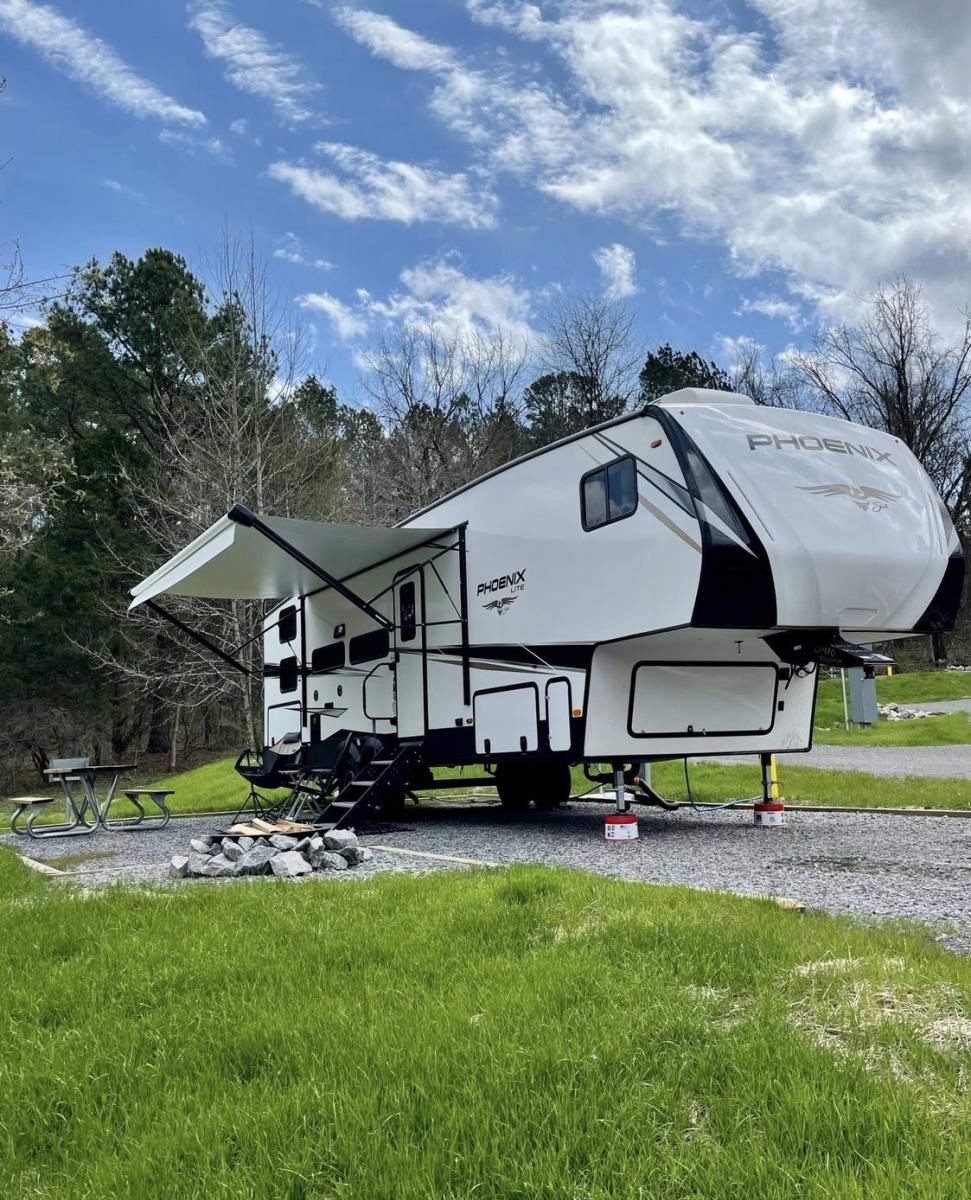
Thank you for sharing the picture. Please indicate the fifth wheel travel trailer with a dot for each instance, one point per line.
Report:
(663, 585)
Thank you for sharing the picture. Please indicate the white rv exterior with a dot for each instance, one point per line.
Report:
(660, 586)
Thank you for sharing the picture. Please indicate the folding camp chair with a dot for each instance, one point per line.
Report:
(273, 767)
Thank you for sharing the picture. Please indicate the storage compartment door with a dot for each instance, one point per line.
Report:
(694, 699)
(507, 719)
(558, 713)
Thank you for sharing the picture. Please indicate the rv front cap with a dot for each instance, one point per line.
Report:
(811, 442)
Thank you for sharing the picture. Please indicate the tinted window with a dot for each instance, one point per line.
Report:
(326, 658)
(406, 603)
(287, 625)
(368, 646)
(594, 500)
(621, 489)
(288, 675)
(609, 493)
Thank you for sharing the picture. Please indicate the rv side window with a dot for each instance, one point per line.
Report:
(327, 658)
(406, 602)
(608, 494)
(368, 646)
(621, 489)
(287, 625)
(288, 675)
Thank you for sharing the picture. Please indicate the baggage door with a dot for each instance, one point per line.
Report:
(411, 682)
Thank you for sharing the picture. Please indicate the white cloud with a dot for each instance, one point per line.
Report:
(775, 308)
(379, 189)
(347, 323)
(824, 140)
(70, 49)
(439, 295)
(253, 64)
(123, 189)
(617, 263)
(389, 40)
(195, 145)
(292, 250)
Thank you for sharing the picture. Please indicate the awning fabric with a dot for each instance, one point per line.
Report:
(234, 561)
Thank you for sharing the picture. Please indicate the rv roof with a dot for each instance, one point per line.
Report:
(234, 561)
(707, 396)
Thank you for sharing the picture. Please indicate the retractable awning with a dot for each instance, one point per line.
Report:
(248, 557)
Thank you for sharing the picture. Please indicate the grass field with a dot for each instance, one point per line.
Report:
(216, 787)
(519, 1034)
(920, 688)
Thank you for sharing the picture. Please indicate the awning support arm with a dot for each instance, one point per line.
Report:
(242, 516)
(197, 637)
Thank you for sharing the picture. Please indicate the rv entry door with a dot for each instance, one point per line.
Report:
(411, 682)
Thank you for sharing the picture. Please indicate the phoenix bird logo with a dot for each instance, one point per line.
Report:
(868, 498)
(500, 606)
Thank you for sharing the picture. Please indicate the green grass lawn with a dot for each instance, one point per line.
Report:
(919, 688)
(528, 1033)
(713, 783)
(216, 787)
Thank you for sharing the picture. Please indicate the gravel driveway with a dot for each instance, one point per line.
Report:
(868, 866)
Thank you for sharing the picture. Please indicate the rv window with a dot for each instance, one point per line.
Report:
(368, 646)
(288, 675)
(621, 489)
(406, 605)
(594, 500)
(287, 624)
(609, 493)
(327, 658)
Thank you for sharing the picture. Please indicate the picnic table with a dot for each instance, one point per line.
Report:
(86, 814)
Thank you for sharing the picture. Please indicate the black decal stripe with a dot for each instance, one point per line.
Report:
(571, 656)
(941, 614)
(735, 588)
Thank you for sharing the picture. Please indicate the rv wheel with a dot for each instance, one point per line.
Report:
(513, 786)
(551, 785)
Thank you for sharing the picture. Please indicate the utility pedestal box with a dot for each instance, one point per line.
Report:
(863, 698)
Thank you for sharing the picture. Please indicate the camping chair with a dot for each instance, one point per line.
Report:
(272, 767)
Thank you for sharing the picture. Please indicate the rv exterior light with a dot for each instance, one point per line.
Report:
(655, 443)
(578, 712)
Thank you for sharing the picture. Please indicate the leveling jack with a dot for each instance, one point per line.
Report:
(621, 824)
(770, 812)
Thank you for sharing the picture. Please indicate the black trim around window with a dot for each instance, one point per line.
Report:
(289, 674)
(366, 647)
(327, 658)
(604, 470)
(287, 624)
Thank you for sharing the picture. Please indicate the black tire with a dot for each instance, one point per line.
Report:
(512, 785)
(547, 785)
(551, 784)
(393, 804)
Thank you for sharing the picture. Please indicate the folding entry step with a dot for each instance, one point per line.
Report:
(370, 787)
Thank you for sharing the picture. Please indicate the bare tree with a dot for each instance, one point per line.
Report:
(774, 382)
(894, 372)
(447, 410)
(591, 339)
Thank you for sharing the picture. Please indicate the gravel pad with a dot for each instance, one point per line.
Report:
(917, 868)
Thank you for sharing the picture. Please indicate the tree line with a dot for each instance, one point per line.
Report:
(149, 400)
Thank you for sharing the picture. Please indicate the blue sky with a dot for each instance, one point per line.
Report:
(730, 170)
